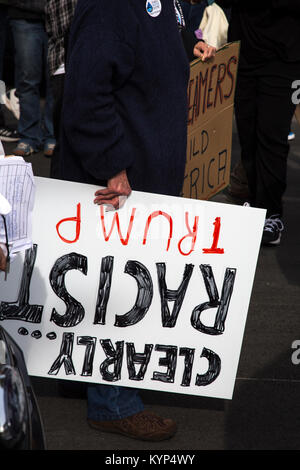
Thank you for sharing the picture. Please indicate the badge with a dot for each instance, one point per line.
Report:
(153, 7)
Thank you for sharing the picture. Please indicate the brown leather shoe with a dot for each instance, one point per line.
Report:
(49, 149)
(145, 426)
(238, 187)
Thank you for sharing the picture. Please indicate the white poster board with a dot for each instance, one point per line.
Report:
(163, 308)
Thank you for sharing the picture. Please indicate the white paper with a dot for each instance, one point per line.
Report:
(1, 150)
(18, 187)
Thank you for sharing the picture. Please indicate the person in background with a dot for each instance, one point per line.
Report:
(7, 134)
(31, 70)
(269, 32)
(193, 12)
(59, 15)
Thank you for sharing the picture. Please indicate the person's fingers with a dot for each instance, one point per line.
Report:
(116, 193)
(197, 53)
(106, 197)
(105, 192)
(3, 259)
(104, 200)
(204, 51)
(113, 202)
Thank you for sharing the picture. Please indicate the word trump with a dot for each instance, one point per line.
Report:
(191, 233)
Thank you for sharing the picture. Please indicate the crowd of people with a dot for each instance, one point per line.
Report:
(109, 74)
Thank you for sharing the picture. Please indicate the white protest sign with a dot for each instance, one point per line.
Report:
(158, 300)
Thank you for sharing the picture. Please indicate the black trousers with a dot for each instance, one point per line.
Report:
(264, 111)
(57, 82)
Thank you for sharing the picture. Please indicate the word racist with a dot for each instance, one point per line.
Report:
(75, 312)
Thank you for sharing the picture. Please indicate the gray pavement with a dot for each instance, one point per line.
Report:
(264, 413)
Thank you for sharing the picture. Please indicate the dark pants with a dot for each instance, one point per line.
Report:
(57, 82)
(3, 33)
(264, 111)
(31, 44)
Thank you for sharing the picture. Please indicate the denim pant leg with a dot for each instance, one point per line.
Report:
(48, 125)
(29, 40)
(109, 402)
(48, 128)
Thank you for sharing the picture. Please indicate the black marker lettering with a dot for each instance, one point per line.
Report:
(65, 356)
(167, 295)
(114, 357)
(144, 295)
(138, 358)
(214, 301)
(104, 289)
(21, 310)
(90, 343)
(188, 354)
(74, 311)
(214, 368)
(169, 361)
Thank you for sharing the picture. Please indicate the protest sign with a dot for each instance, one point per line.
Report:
(153, 296)
(210, 114)
(297, 113)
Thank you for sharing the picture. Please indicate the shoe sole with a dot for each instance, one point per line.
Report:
(132, 436)
(274, 243)
(23, 154)
(9, 139)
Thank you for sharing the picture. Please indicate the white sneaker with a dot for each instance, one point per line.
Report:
(291, 136)
(12, 103)
(272, 230)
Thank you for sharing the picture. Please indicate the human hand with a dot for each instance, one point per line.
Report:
(116, 193)
(204, 51)
(2, 260)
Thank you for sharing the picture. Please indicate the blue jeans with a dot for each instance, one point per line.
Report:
(31, 44)
(109, 402)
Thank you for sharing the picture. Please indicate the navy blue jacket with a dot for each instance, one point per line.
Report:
(125, 101)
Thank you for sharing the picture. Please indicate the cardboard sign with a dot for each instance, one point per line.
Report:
(210, 96)
(153, 296)
(297, 113)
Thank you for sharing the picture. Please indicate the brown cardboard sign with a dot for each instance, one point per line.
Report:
(297, 113)
(210, 113)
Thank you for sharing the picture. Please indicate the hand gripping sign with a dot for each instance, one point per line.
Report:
(153, 296)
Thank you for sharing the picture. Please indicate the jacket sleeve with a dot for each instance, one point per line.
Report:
(98, 64)
(226, 3)
(189, 41)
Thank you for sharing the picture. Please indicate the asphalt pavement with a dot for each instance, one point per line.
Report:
(264, 413)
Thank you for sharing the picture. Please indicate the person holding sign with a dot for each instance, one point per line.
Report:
(124, 127)
(269, 32)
